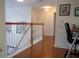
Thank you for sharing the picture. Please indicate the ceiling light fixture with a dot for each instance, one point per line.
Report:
(46, 8)
(20, 0)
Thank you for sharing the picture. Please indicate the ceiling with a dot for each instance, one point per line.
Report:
(14, 3)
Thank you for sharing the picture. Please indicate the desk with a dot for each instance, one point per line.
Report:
(75, 30)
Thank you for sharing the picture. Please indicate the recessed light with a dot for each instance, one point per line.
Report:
(20, 0)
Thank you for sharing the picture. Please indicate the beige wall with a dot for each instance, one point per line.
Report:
(61, 39)
(46, 17)
(2, 29)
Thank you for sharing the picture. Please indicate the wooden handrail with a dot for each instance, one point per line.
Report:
(21, 23)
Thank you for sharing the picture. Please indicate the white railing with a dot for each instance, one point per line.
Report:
(22, 35)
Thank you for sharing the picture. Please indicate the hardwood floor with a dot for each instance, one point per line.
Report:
(45, 51)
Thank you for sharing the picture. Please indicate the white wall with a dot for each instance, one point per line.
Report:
(2, 30)
(18, 14)
(61, 39)
(46, 17)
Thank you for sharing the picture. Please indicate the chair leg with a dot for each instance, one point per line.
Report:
(65, 54)
(75, 49)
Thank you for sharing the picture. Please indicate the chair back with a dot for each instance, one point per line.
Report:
(69, 34)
